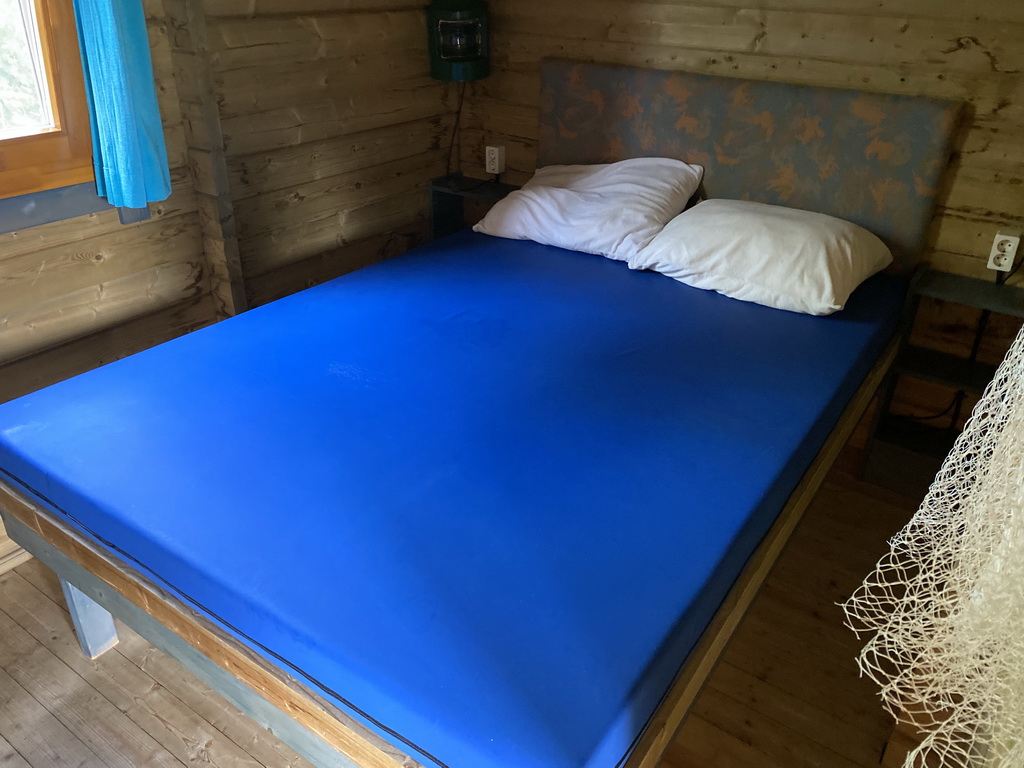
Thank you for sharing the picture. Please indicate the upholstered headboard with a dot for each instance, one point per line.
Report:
(870, 158)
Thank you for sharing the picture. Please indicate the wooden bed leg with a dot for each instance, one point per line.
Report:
(93, 624)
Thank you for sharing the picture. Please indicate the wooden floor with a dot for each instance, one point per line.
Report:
(786, 694)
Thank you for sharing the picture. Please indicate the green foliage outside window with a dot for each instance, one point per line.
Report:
(24, 96)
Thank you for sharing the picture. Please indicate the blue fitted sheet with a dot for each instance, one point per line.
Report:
(490, 492)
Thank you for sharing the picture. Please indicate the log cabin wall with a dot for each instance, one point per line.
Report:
(331, 128)
(80, 292)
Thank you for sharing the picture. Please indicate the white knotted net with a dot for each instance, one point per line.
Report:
(946, 605)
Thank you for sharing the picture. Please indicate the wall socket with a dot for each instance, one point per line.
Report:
(1004, 250)
(494, 159)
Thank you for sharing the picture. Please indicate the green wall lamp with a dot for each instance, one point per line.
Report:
(457, 37)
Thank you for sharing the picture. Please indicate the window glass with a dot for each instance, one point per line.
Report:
(26, 103)
(45, 141)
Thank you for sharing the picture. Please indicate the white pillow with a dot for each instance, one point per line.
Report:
(780, 257)
(612, 210)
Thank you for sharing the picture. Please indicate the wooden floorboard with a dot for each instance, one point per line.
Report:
(143, 710)
(786, 694)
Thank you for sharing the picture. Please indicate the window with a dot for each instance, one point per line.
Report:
(44, 122)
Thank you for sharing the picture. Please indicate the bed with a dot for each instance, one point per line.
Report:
(490, 503)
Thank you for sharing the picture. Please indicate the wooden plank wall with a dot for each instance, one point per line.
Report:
(66, 282)
(332, 128)
(301, 137)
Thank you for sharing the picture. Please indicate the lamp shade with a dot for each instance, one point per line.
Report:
(457, 39)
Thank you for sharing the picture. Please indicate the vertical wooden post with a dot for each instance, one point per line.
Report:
(93, 624)
(207, 159)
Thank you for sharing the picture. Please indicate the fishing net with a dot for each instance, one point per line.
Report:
(946, 605)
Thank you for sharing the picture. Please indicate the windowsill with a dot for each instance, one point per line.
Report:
(17, 213)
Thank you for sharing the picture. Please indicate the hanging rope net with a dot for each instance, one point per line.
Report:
(946, 606)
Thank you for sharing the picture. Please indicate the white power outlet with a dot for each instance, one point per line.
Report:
(494, 159)
(1004, 250)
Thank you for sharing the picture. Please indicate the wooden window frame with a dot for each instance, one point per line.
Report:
(61, 156)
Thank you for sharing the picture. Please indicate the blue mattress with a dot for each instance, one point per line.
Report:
(489, 493)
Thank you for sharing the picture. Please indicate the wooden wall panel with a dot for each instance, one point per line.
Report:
(945, 48)
(204, 139)
(68, 280)
(332, 128)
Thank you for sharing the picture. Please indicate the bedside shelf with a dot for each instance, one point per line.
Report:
(905, 454)
(981, 294)
(944, 368)
(448, 195)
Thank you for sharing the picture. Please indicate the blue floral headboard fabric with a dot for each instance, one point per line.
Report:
(874, 159)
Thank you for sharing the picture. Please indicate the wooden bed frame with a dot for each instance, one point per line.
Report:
(590, 113)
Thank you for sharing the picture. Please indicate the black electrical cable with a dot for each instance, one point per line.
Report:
(455, 128)
(975, 347)
(957, 398)
(956, 404)
(1002, 277)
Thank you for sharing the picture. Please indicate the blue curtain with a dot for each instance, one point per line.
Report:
(129, 153)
